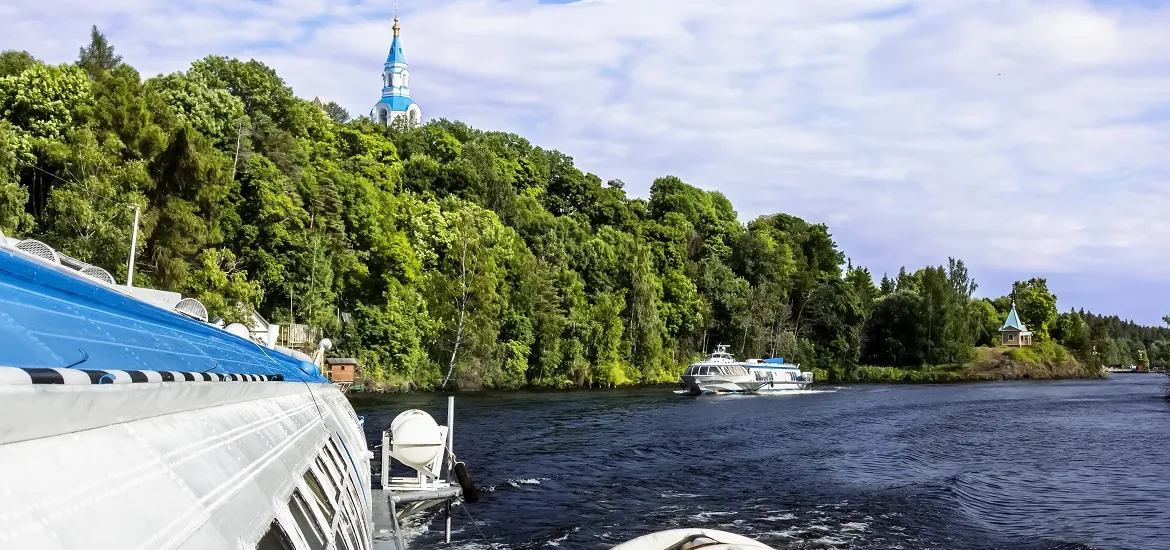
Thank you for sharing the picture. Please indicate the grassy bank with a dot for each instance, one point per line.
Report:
(1043, 361)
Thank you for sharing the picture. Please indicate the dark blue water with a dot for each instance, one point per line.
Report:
(1012, 465)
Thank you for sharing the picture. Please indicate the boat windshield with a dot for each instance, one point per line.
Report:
(716, 370)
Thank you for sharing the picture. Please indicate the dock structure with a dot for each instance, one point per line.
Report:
(415, 441)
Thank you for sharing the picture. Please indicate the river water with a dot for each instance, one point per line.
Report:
(1004, 465)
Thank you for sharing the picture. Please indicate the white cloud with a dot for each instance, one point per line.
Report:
(1023, 136)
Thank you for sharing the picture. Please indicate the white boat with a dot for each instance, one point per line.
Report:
(688, 539)
(128, 421)
(721, 373)
(718, 373)
(778, 376)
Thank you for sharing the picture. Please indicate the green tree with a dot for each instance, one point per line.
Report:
(13, 62)
(99, 55)
(1036, 306)
(336, 112)
(14, 218)
(987, 323)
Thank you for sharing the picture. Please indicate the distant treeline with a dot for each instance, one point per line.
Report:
(444, 253)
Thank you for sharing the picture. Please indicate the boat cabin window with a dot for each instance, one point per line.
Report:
(345, 531)
(350, 490)
(332, 479)
(335, 454)
(319, 494)
(308, 526)
(275, 539)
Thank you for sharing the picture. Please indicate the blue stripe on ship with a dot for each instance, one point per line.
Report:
(51, 319)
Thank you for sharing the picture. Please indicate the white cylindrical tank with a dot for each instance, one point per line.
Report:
(686, 539)
(415, 439)
(238, 330)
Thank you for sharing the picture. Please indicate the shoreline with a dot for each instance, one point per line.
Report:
(1041, 362)
(859, 382)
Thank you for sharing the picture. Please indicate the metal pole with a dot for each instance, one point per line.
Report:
(133, 249)
(450, 434)
(451, 455)
(447, 513)
(396, 526)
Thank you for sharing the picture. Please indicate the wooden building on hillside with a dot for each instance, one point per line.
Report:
(341, 370)
(1013, 332)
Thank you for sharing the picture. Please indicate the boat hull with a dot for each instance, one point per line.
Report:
(702, 385)
(192, 464)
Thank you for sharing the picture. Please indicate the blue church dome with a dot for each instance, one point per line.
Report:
(395, 55)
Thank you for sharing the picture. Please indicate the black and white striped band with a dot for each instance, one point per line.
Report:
(21, 375)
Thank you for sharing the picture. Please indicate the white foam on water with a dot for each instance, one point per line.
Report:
(557, 541)
(676, 494)
(703, 516)
(799, 392)
(782, 517)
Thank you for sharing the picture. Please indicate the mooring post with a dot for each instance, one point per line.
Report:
(450, 458)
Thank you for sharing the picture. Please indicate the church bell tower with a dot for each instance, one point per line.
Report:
(396, 102)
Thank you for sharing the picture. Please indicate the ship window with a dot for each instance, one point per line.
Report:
(275, 539)
(308, 527)
(345, 532)
(350, 488)
(319, 494)
(331, 480)
(336, 454)
(358, 519)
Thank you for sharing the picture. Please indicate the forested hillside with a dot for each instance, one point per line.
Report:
(449, 251)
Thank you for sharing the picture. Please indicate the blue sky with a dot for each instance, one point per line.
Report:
(1027, 137)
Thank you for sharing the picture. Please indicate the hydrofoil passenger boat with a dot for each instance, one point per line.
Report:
(721, 373)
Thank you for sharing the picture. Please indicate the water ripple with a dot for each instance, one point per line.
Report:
(1029, 466)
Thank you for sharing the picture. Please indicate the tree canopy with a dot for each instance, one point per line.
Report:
(442, 253)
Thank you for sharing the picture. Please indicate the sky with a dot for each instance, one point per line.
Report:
(1030, 138)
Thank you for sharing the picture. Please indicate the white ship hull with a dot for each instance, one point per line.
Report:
(698, 385)
(180, 464)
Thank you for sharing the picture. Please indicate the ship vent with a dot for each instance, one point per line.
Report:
(98, 273)
(192, 308)
(40, 250)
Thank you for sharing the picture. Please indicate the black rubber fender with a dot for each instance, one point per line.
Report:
(470, 491)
